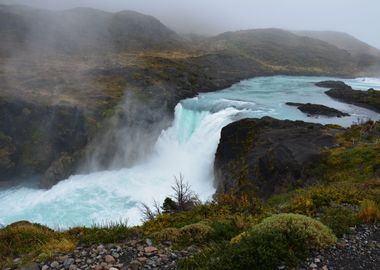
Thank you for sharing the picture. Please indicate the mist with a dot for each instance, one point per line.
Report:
(358, 18)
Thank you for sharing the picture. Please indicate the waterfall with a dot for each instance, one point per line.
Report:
(187, 147)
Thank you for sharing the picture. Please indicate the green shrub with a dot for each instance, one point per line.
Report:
(168, 234)
(314, 232)
(31, 241)
(280, 238)
(339, 219)
(223, 230)
(316, 198)
(195, 233)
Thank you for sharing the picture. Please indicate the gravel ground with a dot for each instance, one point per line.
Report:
(356, 251)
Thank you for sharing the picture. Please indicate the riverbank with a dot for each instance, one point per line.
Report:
(345, 197)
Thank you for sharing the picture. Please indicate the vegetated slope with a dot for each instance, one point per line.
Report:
(343, 41)
(82, 30)
(282, 50)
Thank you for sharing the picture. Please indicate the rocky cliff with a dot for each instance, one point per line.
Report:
(31, 136)
(268, 156)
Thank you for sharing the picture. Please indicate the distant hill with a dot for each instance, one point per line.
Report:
(343, 41)
(280, 48)
(82, 30)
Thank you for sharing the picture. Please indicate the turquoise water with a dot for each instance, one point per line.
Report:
(187, 147)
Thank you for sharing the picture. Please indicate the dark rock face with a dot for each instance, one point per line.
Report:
(317, 109)
(333, 84)
(61, 168)
(33, 136)
(267, 155)
(369, 99)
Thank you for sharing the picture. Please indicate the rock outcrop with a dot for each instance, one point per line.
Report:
(33, 137)
(317, 109)
(369, 99)
(268, 156)
(333, 84)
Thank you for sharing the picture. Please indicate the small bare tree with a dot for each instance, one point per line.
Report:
(183, 196)
(183, 199)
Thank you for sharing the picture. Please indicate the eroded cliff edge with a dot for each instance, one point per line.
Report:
(269, 156)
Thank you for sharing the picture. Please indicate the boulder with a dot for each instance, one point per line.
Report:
(268, 156)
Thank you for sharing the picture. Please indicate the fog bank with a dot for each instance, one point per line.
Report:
(358, 18)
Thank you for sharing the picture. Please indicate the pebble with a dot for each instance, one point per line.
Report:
(150, 249)
(149, 242)
(73, 267)
(54, 264)
(109, 259)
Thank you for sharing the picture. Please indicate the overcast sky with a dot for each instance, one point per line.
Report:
(357, 17)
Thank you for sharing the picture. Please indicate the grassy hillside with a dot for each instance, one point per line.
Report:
(343, 41)
(285, 51)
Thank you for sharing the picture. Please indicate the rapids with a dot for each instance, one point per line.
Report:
(187, 147)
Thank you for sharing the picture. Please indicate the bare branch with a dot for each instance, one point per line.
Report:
(147, 213)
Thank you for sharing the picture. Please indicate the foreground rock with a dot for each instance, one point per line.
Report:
(369, 99)
(267, 155)
(317, 109)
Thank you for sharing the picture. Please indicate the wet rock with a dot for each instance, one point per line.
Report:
(317, 109)
(333, 84)
(344, 93)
